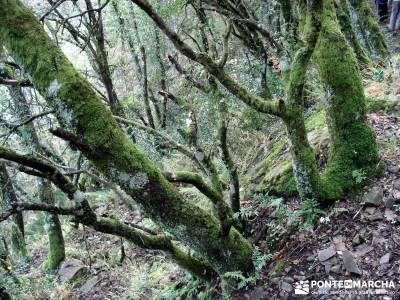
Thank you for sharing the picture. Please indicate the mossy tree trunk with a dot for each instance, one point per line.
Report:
(53, 228)
(353, 144)
(343, 14)
(79, 109)
(370, 28)
(9, 197)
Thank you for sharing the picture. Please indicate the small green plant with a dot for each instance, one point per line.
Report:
(397, 208)
(277, 269)
(308, 212)
(359, 176)
(245, 213)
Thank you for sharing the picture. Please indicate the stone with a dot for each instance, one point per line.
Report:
(356, 240)
(396, 184)
(385, 259)
(350, 263)
(257, 294)
(89, 285)
(370, 210)
(71, 269)
(377, 216)
(336, 269)
(327, 253)
(394, 169)
(310, 258)
(299, 277)
(286, 287)
(390, 215)
(373, 197)
(288, 279)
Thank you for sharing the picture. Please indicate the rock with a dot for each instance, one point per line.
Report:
(71, 269)
(310, 258)
(288, 279)
(363, 250)
(390, 215)
(396, 196)
(89, 285)
(257, 294)
(396, 184)
(274, 281)
(350, 263)
(336, 269)
(376, 216)
(286, 287)
(373, 197)
(326, 254)
(394, 169)
(356, 240)
(299, 277)
(339, 244)
(370, 210)
(327, 268)
(385, 259)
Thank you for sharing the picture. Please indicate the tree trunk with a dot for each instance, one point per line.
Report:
(53, 228)
(343, 14)
(353, 143)
(79, 108)
(9, 197)
(52, 223)
(370, 27)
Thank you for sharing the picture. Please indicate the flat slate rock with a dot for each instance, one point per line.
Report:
(373, 198)
(350, 263)
(327, 253)
(70, 269)
(385, 259)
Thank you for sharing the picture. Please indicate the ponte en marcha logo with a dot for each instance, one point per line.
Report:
(305, 287)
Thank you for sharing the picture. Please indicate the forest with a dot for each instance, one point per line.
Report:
(199, 149)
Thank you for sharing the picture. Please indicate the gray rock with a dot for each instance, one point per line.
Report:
(385, 259)
(357, 239)
(89, 285)
(288, 279)
(71, 269)
(327, 253)
(370, 210)
(257, 294)
(377, 216)
(310, 258)
(350, 263)
(373, 197)
(396, 184)
(394, 169)
(336, 269)
(299, 277)
(286, 287)
(274, 281)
